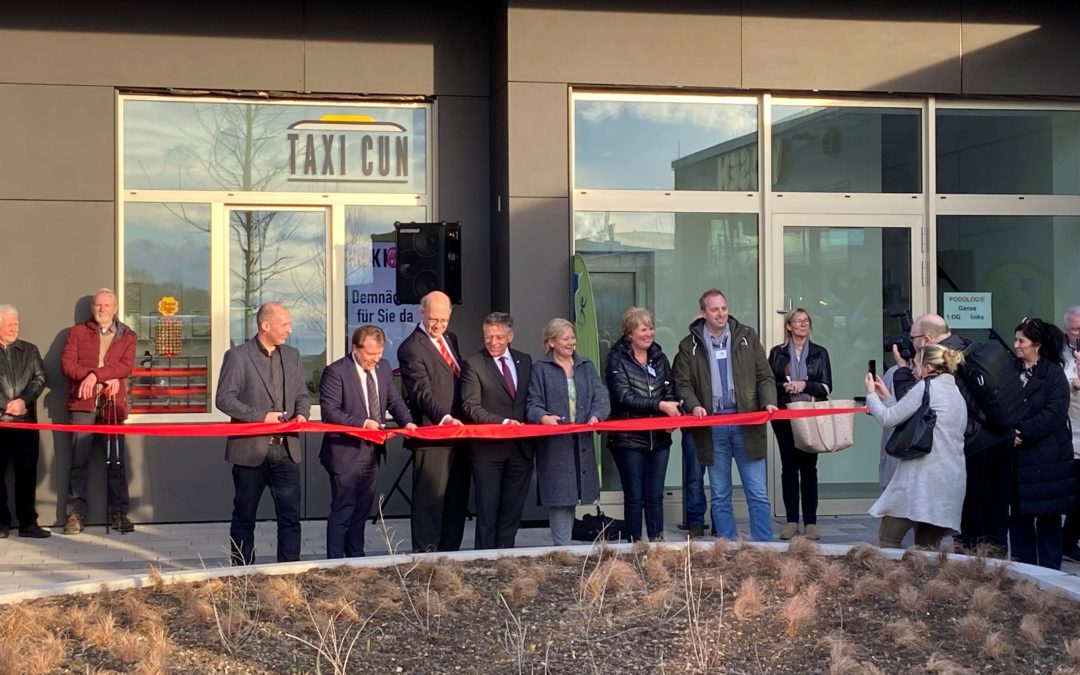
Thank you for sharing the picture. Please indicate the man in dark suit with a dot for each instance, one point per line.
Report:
(494, 384)
(262, 381)
(357, 391)
(431, 369)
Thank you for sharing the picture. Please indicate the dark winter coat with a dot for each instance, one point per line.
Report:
(1045, 483)
(636, 391)
(22, 375)
(818, 372)
(566, 472)
(755, 387)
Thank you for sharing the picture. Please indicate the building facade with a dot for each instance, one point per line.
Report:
(856, 159)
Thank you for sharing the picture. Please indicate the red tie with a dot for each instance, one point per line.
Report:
(449, 359)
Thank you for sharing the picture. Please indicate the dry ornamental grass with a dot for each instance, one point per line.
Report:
(728, 607)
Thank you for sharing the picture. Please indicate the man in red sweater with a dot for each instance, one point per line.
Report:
(97, 359)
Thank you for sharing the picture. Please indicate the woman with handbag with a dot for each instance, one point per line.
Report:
(564, 388)
(926, 491)
(803, 373)
(1043, 484)
(639, 378)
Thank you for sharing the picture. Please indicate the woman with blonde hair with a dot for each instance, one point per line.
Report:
(803, 373)
(564, 388)
(639, 378)
(926, 493)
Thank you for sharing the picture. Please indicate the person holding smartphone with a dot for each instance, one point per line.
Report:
(803, 373)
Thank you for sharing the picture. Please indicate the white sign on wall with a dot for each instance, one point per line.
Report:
(374, 298)
(967, 310)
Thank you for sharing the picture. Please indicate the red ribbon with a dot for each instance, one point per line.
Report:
(430, 433)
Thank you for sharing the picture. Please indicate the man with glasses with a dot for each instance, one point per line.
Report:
(988, 451)
(431, 372)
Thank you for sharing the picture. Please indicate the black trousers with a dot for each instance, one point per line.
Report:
(501, 480)
(20, 447)
(798, 476)
(116, 481)
(1070, 535)
(440, 497)
(985, 516)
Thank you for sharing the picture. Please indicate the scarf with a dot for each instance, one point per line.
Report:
(797, 368)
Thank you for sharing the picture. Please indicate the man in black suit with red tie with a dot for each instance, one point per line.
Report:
(494, 383)
(357, 391)
(431, 370)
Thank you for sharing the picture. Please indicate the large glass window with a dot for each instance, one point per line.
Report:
(665, 145)
(1034, 152)
(1027, 263)
(167, 304)
(664, 261)
(846, 149)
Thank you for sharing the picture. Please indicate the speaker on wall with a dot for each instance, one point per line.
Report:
(428, 259)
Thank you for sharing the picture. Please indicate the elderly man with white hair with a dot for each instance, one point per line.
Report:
(1071, 356)
(22, 379)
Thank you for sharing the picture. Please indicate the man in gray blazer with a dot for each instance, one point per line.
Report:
(261, 381)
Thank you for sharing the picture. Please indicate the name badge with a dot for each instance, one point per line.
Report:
(720, 353)
(650, 371)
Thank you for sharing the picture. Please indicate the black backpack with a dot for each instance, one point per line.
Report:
(993, 381)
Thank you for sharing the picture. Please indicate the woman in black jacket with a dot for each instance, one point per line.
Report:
(1044, 487)
(802, 373)
(641, 385)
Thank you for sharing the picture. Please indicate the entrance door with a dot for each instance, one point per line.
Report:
(855, 275)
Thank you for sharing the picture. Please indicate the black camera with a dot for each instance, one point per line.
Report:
(903, 341)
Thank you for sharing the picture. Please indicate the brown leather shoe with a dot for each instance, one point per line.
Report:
(74, 524)
(121, 524)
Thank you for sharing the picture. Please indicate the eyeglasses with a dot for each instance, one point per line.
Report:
(913, 337)
(800, 322)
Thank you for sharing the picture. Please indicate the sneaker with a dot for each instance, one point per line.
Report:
(121, 524)
(811, 532)
(74, 524)
(1073, 554)
(34, 531)
(790, 530)
(697, 531)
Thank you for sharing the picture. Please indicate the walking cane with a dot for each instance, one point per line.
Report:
(113, 457)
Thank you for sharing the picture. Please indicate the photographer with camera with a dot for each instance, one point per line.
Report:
(988, 447)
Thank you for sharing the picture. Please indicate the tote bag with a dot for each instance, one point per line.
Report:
(914, 437)
(825, 433)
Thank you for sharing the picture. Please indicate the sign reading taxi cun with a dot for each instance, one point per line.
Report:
(348, 149)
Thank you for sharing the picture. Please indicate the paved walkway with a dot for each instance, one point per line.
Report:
(97, 556)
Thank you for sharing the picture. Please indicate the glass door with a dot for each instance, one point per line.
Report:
(857, 276)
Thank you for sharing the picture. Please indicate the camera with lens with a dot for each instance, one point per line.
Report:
(903, 340)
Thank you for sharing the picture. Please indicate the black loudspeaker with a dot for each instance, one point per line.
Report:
(428, 259)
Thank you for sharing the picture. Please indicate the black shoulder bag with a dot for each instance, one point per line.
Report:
(914, 437)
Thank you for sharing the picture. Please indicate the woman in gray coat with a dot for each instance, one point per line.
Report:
(925, 493)
(565, 389)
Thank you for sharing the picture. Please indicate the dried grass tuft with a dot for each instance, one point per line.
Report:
(339, 607)
(157, 579)
(869, 587)
(915, 559)
(910, 598)
(563, 558)
(771, 560)
(1035, 599)
(842, 655)
(127, 646)
(541, 572)
(748, 600)
(973, 628)
(987, 600)
(102, 630)
(719, 551)
(804, 549)
(952, 571)
(898, 577)
(792, 574)
(943, 666)
(521, 589)
(1031, 630)
(278, 595)
(195, 603)
(906, 633)
(611, 576)
(938, 590)
(866, 555)
(661, 598)
(46, 656)
(834, 575)
(1072, 648)
(440, 575)
(747, 561)
(655, 570)
(508, 565)
(797, 613)
(997, 646)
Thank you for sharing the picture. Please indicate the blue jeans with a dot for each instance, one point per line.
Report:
(728, 444)
(282, 476)
(693, 483)
(642, 475)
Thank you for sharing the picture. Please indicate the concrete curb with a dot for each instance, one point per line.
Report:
(1062, 582)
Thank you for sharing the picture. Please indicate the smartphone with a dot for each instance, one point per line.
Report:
(871, 367)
